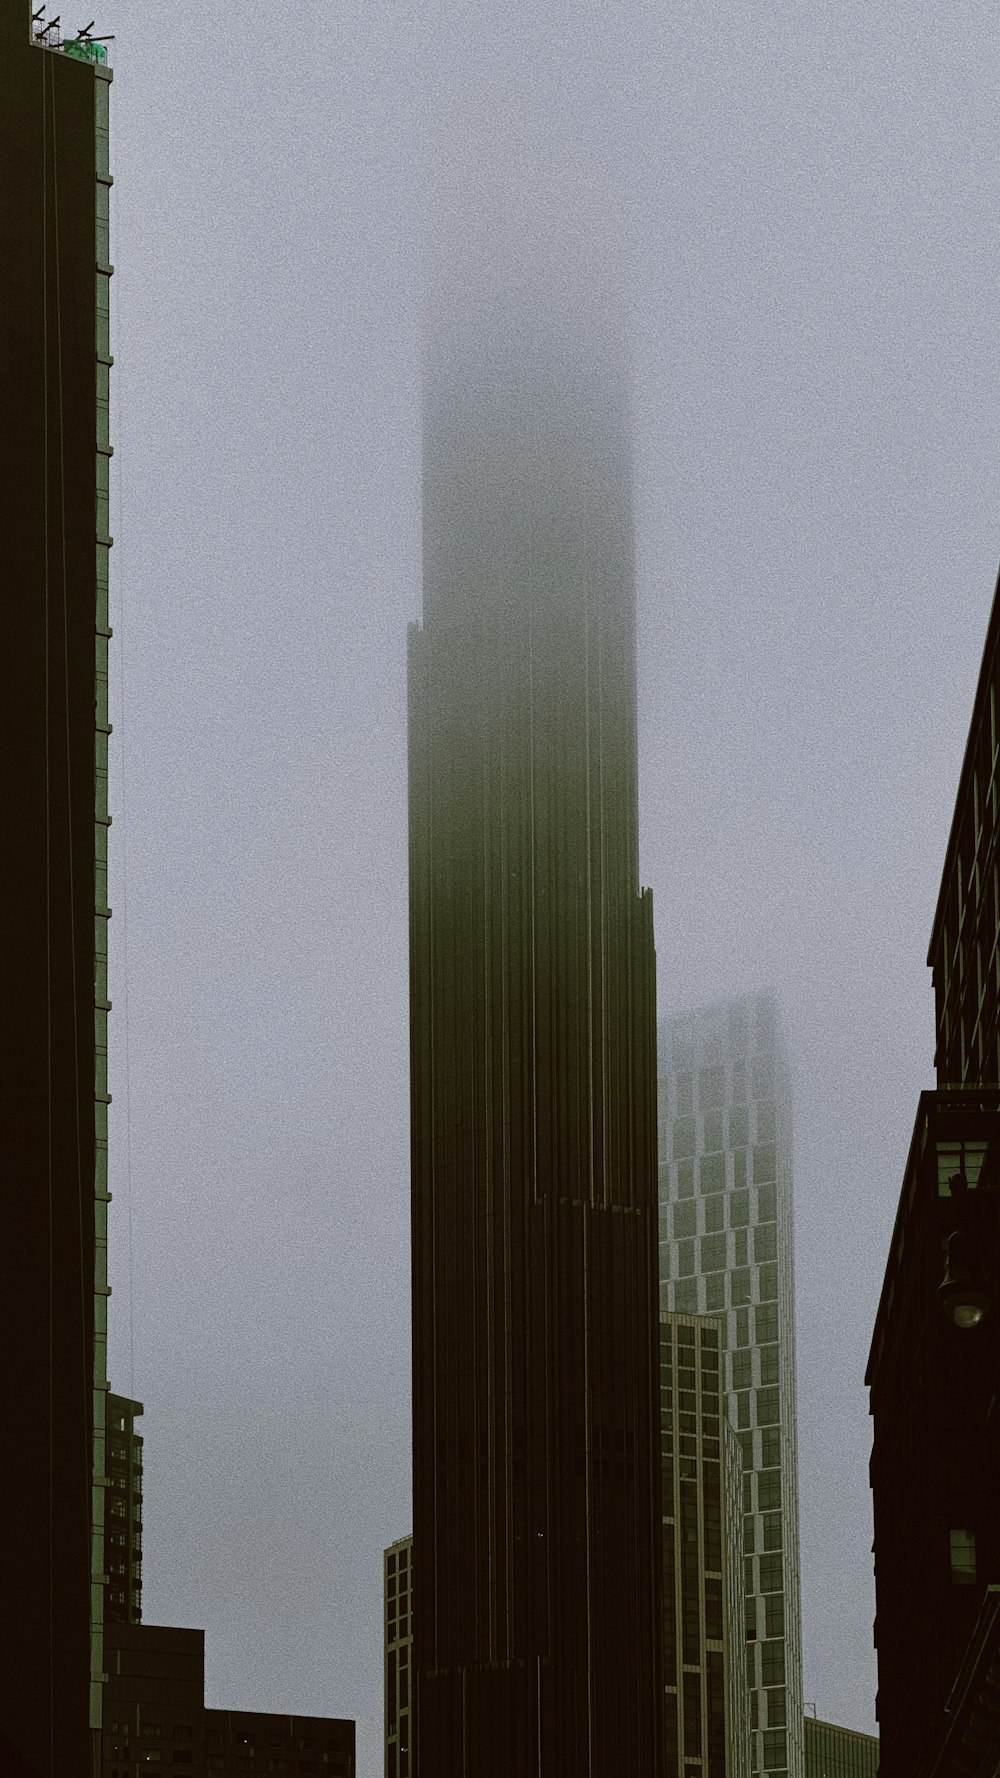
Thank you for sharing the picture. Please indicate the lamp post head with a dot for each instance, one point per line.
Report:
(961, 1292)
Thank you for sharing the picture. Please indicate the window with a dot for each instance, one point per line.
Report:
(776, 1709)
(739, 1209)
(684, 1220)
(739, 1286)
(684, 1259)
(740, 1247)
(715, 1291)
(763, 1163)
(774, 1614)
(712, 1131)
(768, 1283)
(771, 1575)
(740, 1370)
(765, 1242)
(711, 1087)
(686, 1296)
(772, 1531)
(769, 1490)
(767, 1208)
(714, 1214)
(767, 1407)
(963, 1557)
(738, 1133)
(772, 1663)
(713, 1253)
(712, 1172)
(685, 1095)
(770, 1446)
(766, 1121)
(739, 1082)
(775, 1745)
(685, 1136)
(685, 1179)
(769, 1364)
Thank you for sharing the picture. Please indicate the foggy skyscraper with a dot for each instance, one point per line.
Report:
(726, 1192)
(536, 1498)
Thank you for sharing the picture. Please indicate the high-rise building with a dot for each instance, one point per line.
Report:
(726, 1250)
(935, 1355)
(706, 1709)
(833, 1752)
(54, 277)
(535, 1440)
(123, 1513)
(397, 1576)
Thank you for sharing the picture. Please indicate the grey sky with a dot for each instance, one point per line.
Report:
(814, 197)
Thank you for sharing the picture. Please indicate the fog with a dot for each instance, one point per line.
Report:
(806, 205)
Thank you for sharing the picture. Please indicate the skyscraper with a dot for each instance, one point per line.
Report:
(726, 1250)
(535, 1461)
(54, 280)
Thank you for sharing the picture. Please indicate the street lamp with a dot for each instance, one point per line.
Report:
(961, 1292)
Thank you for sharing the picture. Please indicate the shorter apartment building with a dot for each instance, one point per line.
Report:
(833, 1752)
(398, 1595)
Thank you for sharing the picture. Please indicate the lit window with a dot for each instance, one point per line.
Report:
(963, 1557)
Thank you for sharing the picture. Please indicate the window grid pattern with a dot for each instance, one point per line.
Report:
(726, 1250)
(707, 1726)
(398, 1598)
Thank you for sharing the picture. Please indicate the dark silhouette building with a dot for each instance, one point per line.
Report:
(536, 1533)
(155, 1718)
(935, 1358)
(833, 1752)
(54, 366)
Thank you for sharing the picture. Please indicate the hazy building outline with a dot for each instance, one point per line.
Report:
(725, 1159)
(532, 996)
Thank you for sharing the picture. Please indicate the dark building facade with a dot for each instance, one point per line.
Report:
(725, 1161)
(706, 1700)
(534, 1222)
(935, 1466)
(964, 957)
(397, 1579)
(123, 1512)
(833, 1752)
(155, 1718)
(54, 347)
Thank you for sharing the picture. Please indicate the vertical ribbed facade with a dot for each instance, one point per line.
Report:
(726, 1195)
(54, 364)
(536, 1510)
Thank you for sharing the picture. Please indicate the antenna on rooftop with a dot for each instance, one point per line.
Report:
(85, 33)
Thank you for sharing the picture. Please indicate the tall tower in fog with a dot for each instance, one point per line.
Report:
(536, 1548)
(726, 1197)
